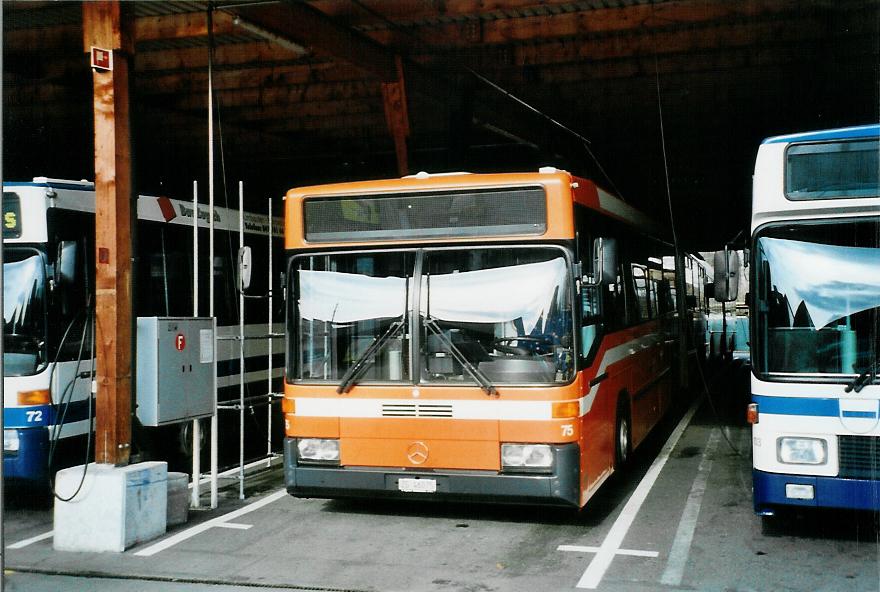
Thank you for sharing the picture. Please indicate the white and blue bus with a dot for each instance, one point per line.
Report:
(815, 312)
(47, 355)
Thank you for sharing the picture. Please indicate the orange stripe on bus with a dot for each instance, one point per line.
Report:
(312, 427)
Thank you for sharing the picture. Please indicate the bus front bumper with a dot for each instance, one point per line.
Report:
(560, 488)
(29, 462)
(827, 492)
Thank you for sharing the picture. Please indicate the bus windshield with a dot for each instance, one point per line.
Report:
(486, 316)
(24, 311)
(506, 312)
(344, 303)
(818, 298)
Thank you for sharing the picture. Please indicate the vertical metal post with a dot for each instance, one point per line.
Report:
(723, 330)
(2, 373)
(271, 300)
(241, 373)
(684, 321)
(211, 253)
(196, 427)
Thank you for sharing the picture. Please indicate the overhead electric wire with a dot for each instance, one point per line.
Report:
(554, 122)
(676, 244)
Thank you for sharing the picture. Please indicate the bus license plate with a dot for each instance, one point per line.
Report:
(417, 485)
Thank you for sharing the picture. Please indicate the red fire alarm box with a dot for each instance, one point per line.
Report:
(102, 59)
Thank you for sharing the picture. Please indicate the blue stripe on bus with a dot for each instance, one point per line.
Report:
(863, 131)
(806, 406)
(28, 417)
(862, 414)
(45, 415)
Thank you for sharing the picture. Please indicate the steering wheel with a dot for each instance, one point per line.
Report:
(515, 350)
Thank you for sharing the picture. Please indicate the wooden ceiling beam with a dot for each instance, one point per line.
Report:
(285, 95)
(720, 37)
(41, 39)
(146, 28)
(407, 10)
(304, 24)
(170, 81)
(247, 114)
(181, 26)
(634, 18)
(228, 54)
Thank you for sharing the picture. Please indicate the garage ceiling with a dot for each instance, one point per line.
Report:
(600, 87)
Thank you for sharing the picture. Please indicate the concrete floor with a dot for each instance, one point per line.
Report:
(694, 530)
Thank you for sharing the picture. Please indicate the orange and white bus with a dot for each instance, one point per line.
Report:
(485, 337)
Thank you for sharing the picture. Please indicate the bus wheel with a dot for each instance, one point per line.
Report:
(184, 452)
(622, 434)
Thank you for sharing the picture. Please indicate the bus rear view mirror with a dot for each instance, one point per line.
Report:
(245, 265)
(64, 279)
(604, 262)
(726, 275)
(65, 264)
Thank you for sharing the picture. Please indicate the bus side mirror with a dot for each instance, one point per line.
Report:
(65, 264)
(64, 278)
(726, 275)
(245, 265)
(604, 262)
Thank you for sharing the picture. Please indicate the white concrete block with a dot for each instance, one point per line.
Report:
(178, 498)
(116, 507)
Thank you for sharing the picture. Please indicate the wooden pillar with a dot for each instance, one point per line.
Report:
(103, 28)
(397, 117)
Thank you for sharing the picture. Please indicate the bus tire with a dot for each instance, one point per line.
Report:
(622, 433)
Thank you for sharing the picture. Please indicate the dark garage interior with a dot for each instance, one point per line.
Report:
(602, 88)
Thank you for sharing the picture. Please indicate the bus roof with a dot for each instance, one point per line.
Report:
(79, 196)
(843, 133)
(584, 191)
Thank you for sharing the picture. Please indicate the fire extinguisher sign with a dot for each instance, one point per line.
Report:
(179, 342)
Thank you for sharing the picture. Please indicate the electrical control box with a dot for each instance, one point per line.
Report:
(175, 369)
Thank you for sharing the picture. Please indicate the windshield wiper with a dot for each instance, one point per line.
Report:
(475, 372)
(364, 360)
(865, 378)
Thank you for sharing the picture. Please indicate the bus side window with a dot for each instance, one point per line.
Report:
(640, 286)
(589, 318)
(614, 303)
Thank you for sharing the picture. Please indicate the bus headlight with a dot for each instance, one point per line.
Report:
(10, 440)
(318, 450)
(526, 456)
(801, 451)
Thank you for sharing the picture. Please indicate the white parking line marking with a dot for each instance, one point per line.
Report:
(200, 528)
(233, 525)
(684, 536)
(31, 541)
(600, 563)
(630, 552)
